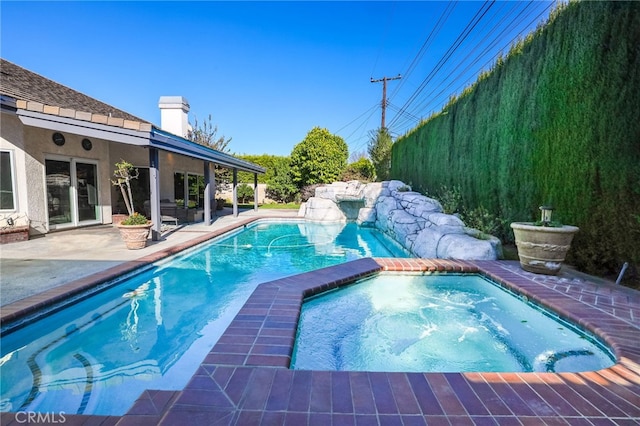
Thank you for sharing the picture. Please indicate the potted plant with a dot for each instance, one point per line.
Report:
(543, 246)
(134, 230)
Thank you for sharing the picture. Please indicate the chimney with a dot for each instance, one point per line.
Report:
(174, 115)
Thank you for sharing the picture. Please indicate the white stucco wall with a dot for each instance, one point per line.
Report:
(39, 146)
(11, 138)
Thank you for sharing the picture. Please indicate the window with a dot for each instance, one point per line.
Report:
(193, 186)
(7, 191)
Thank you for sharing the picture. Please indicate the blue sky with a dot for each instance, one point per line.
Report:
(268, 72)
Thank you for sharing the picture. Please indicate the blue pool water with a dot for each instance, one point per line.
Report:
(152, 330)
(438, 323)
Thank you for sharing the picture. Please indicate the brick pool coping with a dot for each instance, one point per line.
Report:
(245, 378)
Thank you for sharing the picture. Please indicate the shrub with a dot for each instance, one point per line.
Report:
(135, 219)
(361, 170)
(481, 219)
(245, 193)
(450, 199)
(308, 192)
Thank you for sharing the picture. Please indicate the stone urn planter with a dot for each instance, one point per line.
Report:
(542, 249)
(134, 236)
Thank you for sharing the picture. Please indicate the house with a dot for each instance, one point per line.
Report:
(58, 148)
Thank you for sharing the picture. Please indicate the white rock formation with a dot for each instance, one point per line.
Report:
(412, 219)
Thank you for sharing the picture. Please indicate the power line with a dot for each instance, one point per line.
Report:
(355, 119)
(463, 35)
(409, 112)
(427, 43)
(435, 99)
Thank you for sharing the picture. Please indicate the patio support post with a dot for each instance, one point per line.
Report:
(235, 192)
(255, 191)
(154, 193)
(207, 193)
(214, 188)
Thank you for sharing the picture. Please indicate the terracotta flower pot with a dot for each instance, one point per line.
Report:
(135, 236)
(542, 249)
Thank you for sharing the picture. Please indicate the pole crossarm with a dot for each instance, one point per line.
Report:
(384, 95)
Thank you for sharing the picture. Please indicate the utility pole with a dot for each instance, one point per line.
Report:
(384, 94)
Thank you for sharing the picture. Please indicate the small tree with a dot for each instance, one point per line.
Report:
(207, 134)
(380, 152)
(319, 158)
(123, 174)
(245, 193)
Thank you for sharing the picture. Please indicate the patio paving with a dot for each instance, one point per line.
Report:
(245, 379)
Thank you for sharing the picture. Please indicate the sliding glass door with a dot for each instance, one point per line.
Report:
(72, 192)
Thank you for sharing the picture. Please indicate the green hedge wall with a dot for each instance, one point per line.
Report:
(555, 122)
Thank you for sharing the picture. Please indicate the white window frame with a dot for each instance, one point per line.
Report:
(75, 222)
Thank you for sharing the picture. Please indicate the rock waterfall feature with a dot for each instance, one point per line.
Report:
(415, 221)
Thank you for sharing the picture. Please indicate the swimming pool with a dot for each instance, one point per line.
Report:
(438, 323)
(152, 330)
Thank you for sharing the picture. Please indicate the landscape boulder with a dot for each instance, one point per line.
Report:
(415, 221)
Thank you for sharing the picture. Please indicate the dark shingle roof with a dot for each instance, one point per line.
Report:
(22, 84)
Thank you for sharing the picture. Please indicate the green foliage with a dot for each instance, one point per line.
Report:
(245, 193)
(280, 206)
(379, 148)
(555, 121)
(265, 160)
(191, 204)
(280, 186)
(481, 219)
(135, 219)
(319, 158)
(361, 170)
(450, 198)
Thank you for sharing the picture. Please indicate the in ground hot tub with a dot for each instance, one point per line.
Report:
(438, 323)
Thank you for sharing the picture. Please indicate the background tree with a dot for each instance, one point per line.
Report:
(361, 170)
(356, 155)
(319, 158)
(265, 160)
(379, 149)
(280, 186)
(206, 133)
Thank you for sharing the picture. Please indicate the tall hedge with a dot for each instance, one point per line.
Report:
(555, 122)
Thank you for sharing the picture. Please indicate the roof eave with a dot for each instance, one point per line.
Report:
(170, 142)
(153, 137)
(84, 128)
